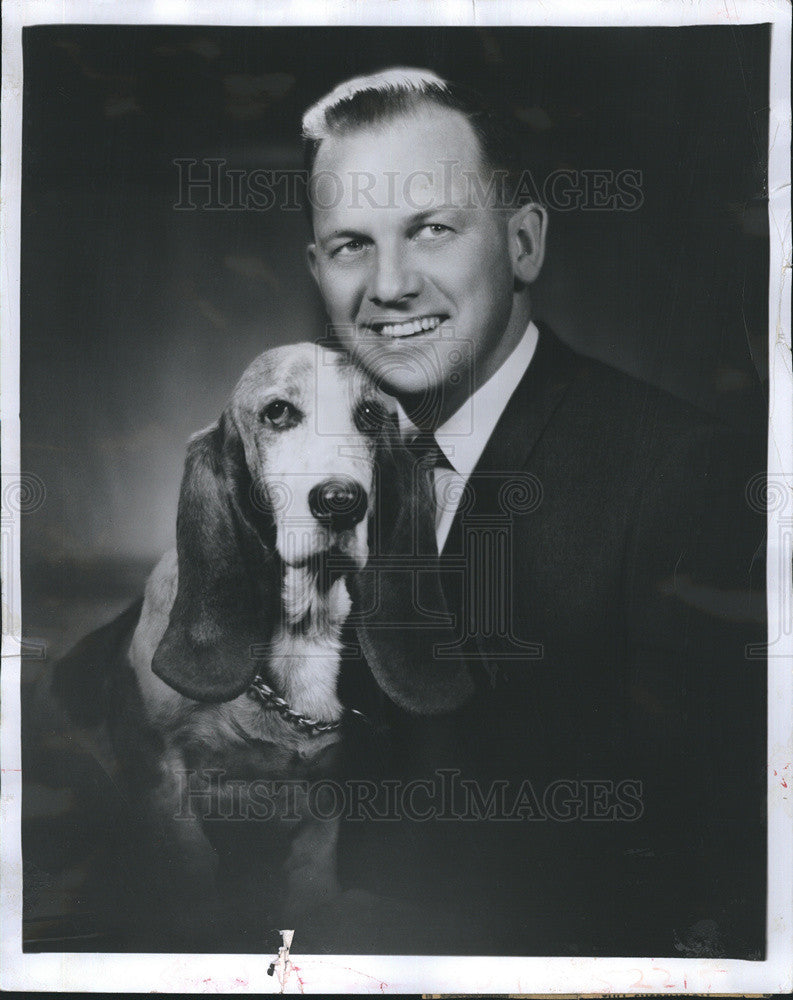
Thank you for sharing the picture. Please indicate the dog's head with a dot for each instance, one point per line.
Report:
(284, 478)
(287, 477)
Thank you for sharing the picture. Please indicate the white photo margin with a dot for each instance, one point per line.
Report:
(410, 974)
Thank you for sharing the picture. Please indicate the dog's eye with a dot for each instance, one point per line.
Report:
(279, 414)
(370, 416)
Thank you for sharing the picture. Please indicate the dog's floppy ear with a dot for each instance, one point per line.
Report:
(403, 614)
(228, 592)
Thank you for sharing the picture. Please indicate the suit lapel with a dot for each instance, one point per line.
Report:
(525, 417)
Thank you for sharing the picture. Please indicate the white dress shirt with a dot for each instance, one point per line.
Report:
(462, 438)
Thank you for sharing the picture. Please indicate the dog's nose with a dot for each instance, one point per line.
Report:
(341, 502)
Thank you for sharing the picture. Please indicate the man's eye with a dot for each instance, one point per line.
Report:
(370, 416)
(436, 229)
(350, 247)
(279, 414)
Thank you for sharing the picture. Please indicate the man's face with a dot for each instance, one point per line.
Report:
(414, 267)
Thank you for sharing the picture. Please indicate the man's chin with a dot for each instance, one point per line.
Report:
(410, 369)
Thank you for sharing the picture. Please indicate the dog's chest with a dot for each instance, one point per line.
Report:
(243, 739)
(253, 795)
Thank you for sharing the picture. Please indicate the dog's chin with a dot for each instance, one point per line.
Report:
(334, 560)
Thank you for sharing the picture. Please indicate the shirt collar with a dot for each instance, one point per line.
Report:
(462, 438)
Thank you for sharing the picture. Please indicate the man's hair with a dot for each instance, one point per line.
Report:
(366, 101)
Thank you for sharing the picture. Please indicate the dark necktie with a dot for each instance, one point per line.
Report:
(427, 455)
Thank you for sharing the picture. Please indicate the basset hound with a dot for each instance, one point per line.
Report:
(226, 673)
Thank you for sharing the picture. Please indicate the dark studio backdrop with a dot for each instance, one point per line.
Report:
(137, 318)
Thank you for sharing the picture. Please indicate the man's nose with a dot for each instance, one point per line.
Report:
(393, 279)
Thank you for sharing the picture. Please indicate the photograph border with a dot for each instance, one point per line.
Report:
(266, 973)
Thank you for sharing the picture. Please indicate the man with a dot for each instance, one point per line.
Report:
(598, 556)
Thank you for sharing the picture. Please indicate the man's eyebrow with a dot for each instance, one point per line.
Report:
(347, 234)
(447, 206)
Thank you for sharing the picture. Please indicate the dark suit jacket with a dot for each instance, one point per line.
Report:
(607, 578)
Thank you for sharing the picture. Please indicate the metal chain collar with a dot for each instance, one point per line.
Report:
(270, 699)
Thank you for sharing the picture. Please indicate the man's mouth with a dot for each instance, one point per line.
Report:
(406, 328)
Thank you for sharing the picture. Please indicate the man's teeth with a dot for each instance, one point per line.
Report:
(407, 329)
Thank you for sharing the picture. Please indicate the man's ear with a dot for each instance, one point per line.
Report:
(311, 260)
(526, 229)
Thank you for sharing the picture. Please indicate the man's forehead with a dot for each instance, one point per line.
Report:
(423, 156)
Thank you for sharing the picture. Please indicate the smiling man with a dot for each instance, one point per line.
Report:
(416, 261)
(599, 564)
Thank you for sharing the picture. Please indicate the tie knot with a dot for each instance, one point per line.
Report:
(425, 449)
